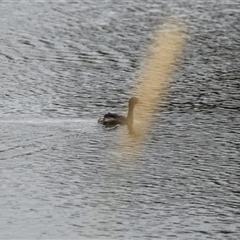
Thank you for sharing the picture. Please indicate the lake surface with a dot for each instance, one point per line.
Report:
(65, 64)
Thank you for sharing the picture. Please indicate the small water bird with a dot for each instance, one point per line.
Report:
(113, 119)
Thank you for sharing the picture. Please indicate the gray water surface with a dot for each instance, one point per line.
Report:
(65, 64)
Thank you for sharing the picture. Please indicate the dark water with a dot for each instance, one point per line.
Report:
(65, 64)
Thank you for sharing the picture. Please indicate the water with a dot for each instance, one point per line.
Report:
(65, 64)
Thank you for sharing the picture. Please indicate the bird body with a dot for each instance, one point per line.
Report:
(113, 119)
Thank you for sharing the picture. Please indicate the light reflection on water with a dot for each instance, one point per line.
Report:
(66, 64)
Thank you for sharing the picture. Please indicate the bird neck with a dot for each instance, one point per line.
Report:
(130, 113)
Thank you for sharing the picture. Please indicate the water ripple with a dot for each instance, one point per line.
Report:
(65, 64)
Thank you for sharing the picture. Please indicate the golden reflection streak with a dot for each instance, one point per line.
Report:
(154, 79)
